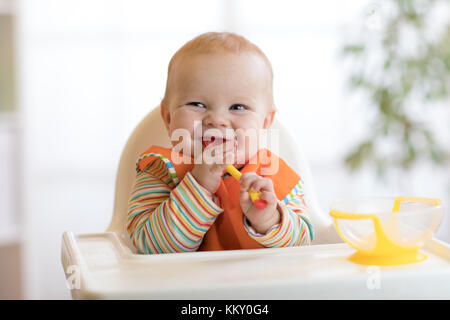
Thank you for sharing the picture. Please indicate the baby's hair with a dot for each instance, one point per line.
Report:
(218, 42)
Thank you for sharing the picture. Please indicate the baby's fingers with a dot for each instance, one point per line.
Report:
(246, 201)
(268, 196)
(262, 184)
(247, 179)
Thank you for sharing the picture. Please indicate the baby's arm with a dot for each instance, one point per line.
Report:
(163, 219)
(294, 227)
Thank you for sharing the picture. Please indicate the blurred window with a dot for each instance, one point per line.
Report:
(8, 133)
(7, 102)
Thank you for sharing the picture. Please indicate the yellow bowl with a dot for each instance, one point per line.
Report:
(387, 230)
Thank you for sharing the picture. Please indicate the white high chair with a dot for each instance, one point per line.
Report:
(151, 131)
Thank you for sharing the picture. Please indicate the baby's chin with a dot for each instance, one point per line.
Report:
(249, 156)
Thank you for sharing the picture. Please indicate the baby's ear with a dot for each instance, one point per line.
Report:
(165, 115)
(269, 119)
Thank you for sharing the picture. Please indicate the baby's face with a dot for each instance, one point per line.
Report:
(220, 91)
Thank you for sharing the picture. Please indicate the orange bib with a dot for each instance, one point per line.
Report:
(228, 231)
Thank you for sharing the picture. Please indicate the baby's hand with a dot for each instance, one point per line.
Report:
(261, 219)
(212, 166)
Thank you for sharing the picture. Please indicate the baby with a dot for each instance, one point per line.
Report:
(219, 89)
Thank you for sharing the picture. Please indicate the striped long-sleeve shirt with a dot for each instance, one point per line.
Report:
(164, 218)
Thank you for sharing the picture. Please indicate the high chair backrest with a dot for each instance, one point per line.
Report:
(151, 131)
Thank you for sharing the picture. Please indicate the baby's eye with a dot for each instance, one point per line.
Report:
(196, 104)
(238, 107)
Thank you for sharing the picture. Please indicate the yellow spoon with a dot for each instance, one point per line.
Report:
(257, 201)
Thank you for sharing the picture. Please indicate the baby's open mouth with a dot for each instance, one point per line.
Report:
(215, 140)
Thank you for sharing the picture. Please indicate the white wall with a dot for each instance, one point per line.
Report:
(90, 70)
(8, 183)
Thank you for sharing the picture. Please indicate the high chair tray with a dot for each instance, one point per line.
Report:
(101, 266)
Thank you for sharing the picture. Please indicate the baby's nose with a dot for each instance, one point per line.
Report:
(215, 120)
